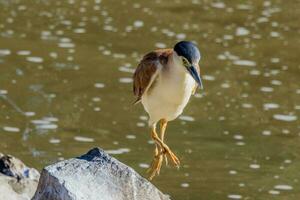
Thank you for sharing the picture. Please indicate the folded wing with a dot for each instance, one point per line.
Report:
(147, 71)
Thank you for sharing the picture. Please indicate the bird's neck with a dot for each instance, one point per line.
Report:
(178, 77)
(176, 65)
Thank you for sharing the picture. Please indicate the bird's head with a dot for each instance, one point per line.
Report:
(189, 56)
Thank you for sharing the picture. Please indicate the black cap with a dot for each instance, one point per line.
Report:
(188, 50)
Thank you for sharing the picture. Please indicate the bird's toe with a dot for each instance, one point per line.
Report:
(155, 166)
(172, 157)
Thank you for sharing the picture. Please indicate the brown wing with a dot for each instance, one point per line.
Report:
(146, 70)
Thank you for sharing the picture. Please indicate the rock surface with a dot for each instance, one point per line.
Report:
(94, 176)
(17, 181)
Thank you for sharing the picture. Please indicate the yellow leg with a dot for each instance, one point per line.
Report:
(162, 150)
(158, 157)
(166, 149)
(163, 126)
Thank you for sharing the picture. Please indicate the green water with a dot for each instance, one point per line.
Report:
(65, 87)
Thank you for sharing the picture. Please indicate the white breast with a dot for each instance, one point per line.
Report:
(169, 95)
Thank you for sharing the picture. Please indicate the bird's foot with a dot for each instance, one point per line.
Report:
(160, 154)
(155, 166)
(169, 154)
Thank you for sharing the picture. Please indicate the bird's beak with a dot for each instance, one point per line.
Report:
(192, 70)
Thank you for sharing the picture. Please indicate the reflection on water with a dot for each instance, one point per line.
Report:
(65, 86)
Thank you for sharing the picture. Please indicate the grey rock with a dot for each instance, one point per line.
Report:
(12, 166)
(94, 176)
(17, 181)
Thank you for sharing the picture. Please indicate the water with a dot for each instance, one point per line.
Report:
(65, 87)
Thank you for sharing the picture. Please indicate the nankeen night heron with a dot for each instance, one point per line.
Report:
(163, 82)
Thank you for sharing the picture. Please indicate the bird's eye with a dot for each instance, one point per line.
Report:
(185, 62)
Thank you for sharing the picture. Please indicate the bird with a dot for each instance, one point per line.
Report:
(163, 82)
